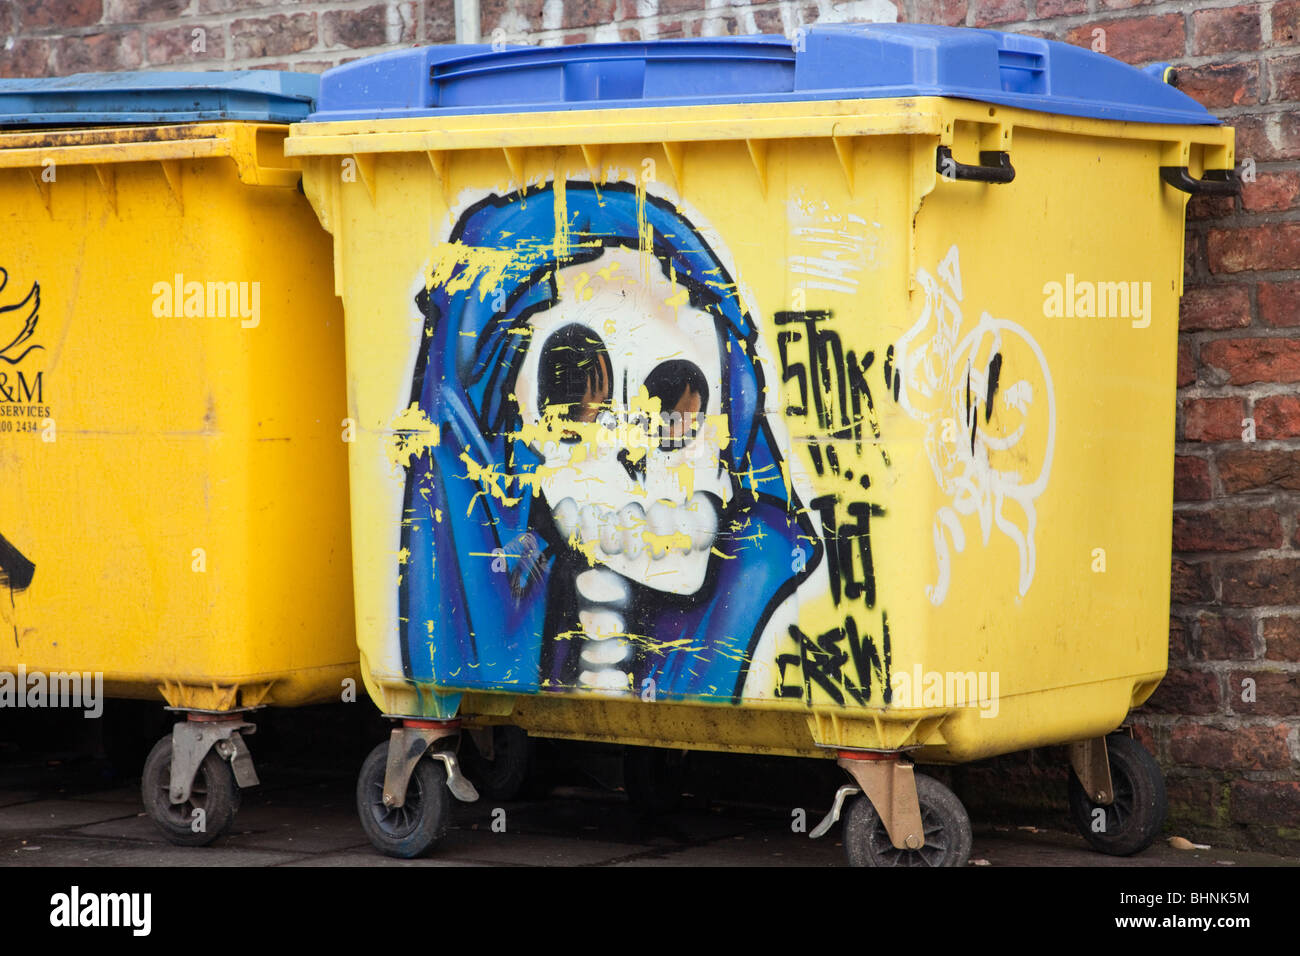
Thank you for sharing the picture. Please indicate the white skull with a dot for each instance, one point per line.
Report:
(621, 331)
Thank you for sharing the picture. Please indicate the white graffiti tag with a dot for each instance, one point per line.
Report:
(991, 456)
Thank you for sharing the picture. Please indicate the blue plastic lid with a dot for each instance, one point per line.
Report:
(97, 99)
(832, 61)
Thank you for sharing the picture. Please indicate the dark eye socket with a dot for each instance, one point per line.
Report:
(574, 377)
(683, 394)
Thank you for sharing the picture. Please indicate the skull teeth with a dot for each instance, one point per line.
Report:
(608, 679)
(631, 519)
(703, 522)
(566, 517)
(667, 527)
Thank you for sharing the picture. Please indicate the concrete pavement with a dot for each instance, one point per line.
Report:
(69, 797)
(311, 821)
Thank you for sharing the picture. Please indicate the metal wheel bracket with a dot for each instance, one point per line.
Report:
(457, 782)
(832, 818)
(191, 741)
(890, 785)
(1091, 764)
(406, 747)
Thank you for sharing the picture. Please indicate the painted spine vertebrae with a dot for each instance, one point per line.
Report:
(606, 651)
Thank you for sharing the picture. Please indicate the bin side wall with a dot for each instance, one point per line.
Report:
(939, 478)
(178, 477)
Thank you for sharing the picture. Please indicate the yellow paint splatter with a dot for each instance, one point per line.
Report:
(482, 264)
(561, 218)
(491, 481)
(411, 435)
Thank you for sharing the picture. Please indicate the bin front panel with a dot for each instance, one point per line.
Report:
(784, 422)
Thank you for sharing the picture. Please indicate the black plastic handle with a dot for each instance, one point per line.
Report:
(1215, 182)
(995, 167)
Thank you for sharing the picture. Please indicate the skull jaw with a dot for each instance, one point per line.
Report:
(666, 549)
(674, 573)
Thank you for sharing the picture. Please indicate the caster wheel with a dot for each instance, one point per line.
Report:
(1136, 816)
(943, 820)
(214, 792)
(504, 776)
(412, 829)
(654, 778)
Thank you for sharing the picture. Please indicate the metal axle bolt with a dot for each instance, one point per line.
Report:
(912, 841)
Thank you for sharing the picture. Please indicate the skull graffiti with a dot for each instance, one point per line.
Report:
(592, 372)
(641, 487)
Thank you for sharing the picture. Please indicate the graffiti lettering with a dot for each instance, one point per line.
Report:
(849, 580)
(835, 381)
(821, 662)
(940, 371)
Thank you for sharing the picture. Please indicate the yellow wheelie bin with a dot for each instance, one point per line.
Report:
(172, 398)
(738, 395)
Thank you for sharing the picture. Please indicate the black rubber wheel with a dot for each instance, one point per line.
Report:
(214, 792)
(1136, 816)
(943, 820)
(412, 829)
(502, 777)
(654, 778)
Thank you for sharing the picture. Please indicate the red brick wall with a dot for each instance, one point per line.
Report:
(1232, 763)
